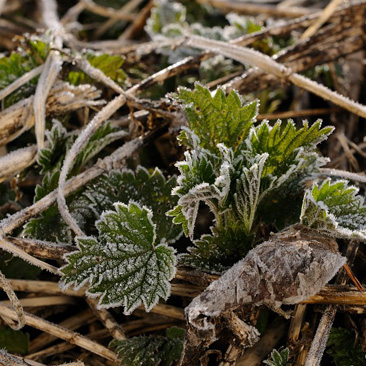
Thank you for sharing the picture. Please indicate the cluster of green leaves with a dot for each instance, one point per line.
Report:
(278, 358)
(18, 63)
(344, 349)
(151, 350)
(232, 165)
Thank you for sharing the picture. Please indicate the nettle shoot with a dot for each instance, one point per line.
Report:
(247, 174)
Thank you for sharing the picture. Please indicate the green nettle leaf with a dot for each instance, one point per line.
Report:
(152, 190)
(286, 147)
(336, 209)
(51, 157)
(124, 265)
(219, 118)
(198, 183)
(110, 65)
(344, 349)
(248, 191)
(151, 350)
(278, 358)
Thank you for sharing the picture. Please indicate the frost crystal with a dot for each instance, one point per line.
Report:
(124, 265)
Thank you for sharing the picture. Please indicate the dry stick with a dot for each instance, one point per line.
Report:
(295, 114)
(341, 295)
(324, 16)
(16, 161)
(129, 7)
(79, 144)
(52, 67)
(107, 319)
(138, 23)
(9, 224)
(342, 174)
(107, 12)
(72, 323)
(321, 337)
(7, 359)
(14, 302)
(21, 81)
(72, 13)
(32, 302)
(42, 249)
(60, 332)
(352, 160)
(296, 323)
(99, 334)
(254, 9)
(268, 64)
(11, 248)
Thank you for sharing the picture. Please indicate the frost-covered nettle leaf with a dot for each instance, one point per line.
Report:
(336, 209)
(278, 358)
(248, 191)
(199, 183)
(125, 265)
(218, 118)
(151, 350)
(287, 146)
(51, 157)
(110, 65)
(288, 268)
(152, 190)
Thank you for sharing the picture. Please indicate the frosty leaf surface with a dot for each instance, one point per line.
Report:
(336, 209)
(51, 157)
(151, 350)
(218, 118)
(278, 358)
(150, 189)
(248, 191)
(124, 265)
(283, 144)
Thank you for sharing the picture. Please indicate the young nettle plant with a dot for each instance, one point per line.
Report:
(248, 174)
